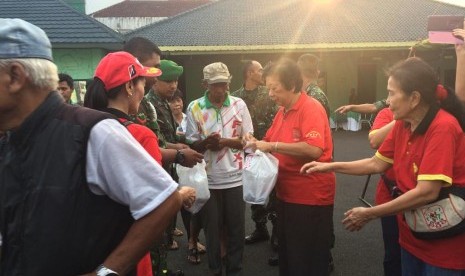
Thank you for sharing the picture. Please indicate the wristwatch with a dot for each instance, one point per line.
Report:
(105, 271)
(179, 157)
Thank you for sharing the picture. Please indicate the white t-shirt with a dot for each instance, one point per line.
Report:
(119, 167)
(232, 120)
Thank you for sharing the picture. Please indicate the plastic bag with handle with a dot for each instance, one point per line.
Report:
(259, 177)
(195, 177)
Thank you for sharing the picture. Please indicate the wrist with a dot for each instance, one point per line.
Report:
(179, 158)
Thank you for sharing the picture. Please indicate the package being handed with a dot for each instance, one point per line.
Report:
(259, 177)
(195, 177)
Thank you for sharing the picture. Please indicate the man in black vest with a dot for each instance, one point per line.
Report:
(77, 193)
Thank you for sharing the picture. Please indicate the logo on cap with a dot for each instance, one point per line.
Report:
(132, 71)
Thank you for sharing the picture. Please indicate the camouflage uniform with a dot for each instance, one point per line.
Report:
(380, 104)
(262, 111)
(315, 91)
(165, 119)
(318, 94)
(147, 116)
(168, 126)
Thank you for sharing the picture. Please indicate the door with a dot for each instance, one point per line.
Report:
(366, 83)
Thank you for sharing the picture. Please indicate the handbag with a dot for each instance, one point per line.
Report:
(259, 176)
(440, 219)
(195, 177)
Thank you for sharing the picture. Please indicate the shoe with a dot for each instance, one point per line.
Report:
(177, 232)
(257, 236)
(273, 260)
(173, 246)
(201, 248)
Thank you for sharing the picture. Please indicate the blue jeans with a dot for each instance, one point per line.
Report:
(412, 266)
(392, 263)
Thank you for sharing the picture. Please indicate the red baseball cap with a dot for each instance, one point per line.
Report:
(118, 68)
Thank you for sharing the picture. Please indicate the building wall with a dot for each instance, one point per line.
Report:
(80, 64)
(341, 69)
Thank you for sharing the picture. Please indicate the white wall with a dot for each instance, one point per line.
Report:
(96, 5)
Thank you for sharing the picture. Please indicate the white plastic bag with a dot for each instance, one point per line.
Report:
(259, 177)
(196, 178)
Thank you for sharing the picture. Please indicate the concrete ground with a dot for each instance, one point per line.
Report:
(359, 253)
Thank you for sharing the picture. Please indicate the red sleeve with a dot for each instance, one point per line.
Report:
(386, 150)
(313, 124)
(383, 118)
(147, 139)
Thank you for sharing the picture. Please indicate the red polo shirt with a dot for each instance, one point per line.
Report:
(383, 195)
(305, 122)
(438, 154)
(147, 139)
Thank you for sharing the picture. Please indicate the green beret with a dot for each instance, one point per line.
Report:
(171, 70)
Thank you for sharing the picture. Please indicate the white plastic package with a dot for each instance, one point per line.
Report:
(196, 178)
(259, 177)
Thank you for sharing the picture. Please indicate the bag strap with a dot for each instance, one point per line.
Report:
(391, 185)
(127, 123)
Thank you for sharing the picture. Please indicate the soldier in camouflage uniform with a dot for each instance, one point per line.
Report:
(363, 108)
(161, 92)
(262, 110)
(308, 65)
(149, 55)
(309, 69)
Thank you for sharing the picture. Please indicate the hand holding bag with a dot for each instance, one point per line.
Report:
(442, 218)
(259, 177)
(195, 177)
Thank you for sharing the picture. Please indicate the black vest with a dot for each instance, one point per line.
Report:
(51, 223)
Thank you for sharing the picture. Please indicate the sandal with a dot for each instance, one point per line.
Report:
(193, 256)
(173, 246)
(201, 248)
(177, 232)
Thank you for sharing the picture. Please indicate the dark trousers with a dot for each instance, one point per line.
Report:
(304, 234)
(260, 213)
(392, 256)
(224, 213)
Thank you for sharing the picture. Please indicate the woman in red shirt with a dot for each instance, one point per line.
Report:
(299, 133)
(382, 125)
(426, 150)
(118, 88)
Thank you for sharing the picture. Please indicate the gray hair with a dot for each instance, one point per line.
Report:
(41, 73)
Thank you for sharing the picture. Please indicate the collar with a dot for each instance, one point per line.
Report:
(299, 102)
(312, 85)
(39, 117)
(250, 91)
(208, 104)
(427, 120)
(117, 113)
(156, 96)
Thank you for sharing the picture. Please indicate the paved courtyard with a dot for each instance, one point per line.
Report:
(359, 253)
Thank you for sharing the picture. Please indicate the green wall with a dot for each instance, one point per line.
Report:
(78, 63)
(341, 69)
